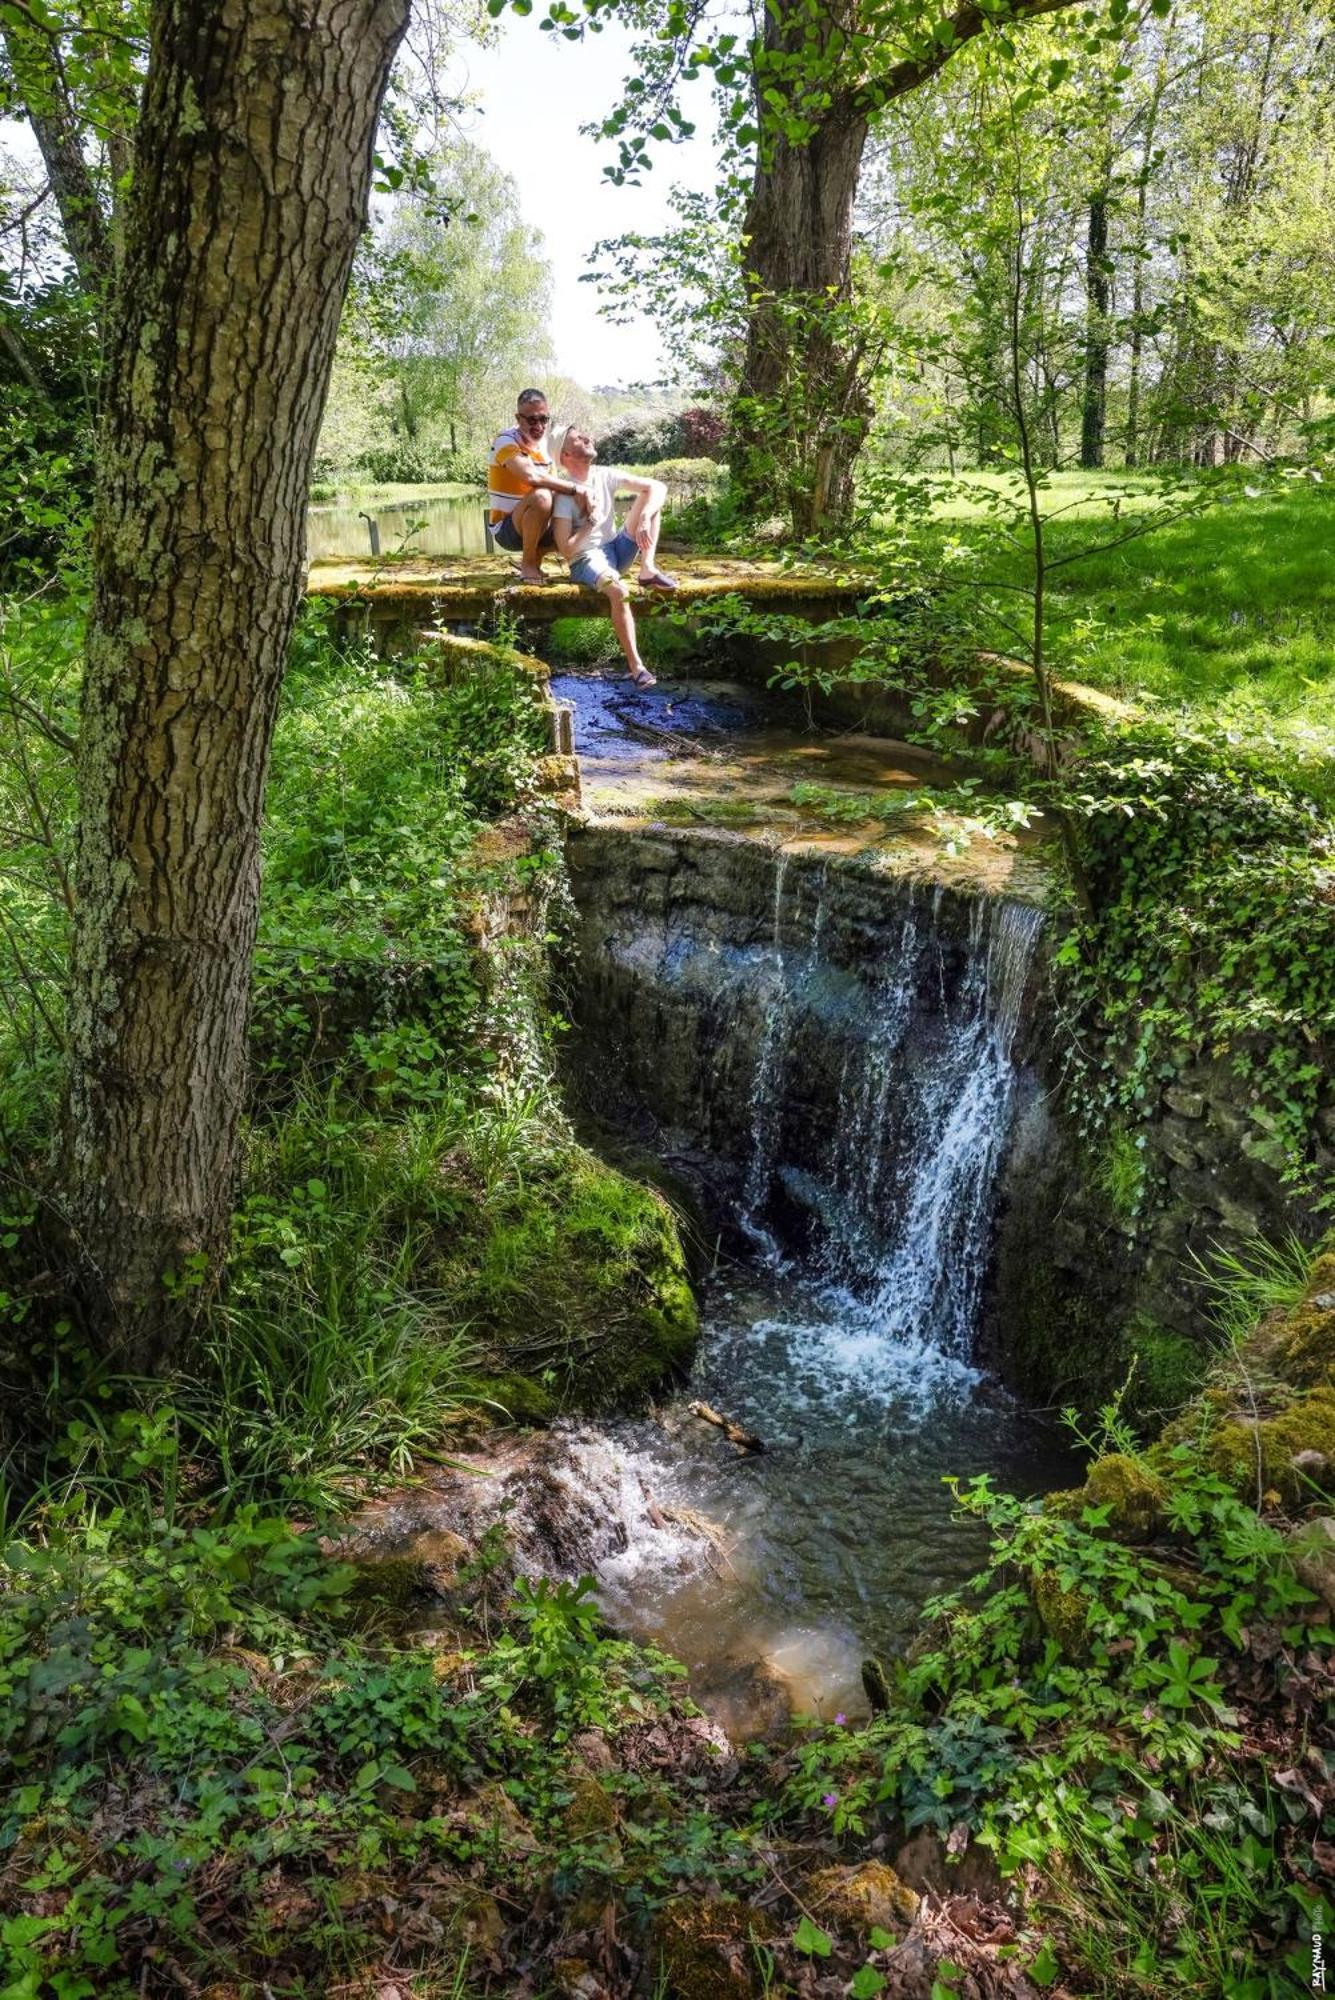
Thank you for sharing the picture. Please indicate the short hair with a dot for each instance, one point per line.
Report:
(529, 396)
(574, 431)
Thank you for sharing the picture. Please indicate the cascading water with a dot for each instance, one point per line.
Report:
(916, 1139)
(875, 1115)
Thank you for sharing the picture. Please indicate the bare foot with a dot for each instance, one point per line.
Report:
(527, 575)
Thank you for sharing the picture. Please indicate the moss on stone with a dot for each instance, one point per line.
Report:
(704, 1948)
(1134, 1494)
(574, 1279)
(858, 1898)
(1063, 1614)
(591, 1811)
(1300, 1346)
(1129, 1488)
(1254, 1454)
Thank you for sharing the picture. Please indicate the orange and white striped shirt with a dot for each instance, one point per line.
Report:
(505, 486)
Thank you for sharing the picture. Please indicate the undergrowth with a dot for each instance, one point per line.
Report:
(1100, 1719)
(216, 1779)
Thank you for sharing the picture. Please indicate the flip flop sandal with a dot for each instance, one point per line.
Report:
(642, 677)
(658, 581)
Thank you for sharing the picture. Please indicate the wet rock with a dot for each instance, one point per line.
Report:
(857, 1898)
(562, 1501)
(1187, 1103)
(751, 1702)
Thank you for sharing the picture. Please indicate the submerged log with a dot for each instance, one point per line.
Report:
(744, 1440)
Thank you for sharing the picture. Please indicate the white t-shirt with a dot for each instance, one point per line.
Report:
(601, 487)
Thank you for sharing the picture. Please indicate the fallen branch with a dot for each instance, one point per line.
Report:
(744, 1440)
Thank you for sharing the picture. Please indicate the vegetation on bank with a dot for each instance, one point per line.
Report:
(420, 1235)
(234, 1763)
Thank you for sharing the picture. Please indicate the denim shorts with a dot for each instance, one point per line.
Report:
(507, 536)
(612, 559)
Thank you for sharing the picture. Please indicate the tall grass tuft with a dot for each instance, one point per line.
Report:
(1244, 1287)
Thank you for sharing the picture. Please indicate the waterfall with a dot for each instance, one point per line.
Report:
(791, 973)
(916, 1138)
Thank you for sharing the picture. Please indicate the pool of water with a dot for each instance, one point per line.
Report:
(832, 1539)
(439, 521)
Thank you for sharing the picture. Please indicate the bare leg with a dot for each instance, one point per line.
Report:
(638, 522)
(623, 624)
(532, 516)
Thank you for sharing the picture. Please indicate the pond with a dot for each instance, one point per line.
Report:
(415, 520)
(426, 520)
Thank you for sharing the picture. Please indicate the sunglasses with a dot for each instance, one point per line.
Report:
(525, 419)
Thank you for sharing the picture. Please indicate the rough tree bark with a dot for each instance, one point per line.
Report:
(252, 172)
(802, 408)
(798, 235)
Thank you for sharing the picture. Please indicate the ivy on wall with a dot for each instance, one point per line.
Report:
(1212, 937)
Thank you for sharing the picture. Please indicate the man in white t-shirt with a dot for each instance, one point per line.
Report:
(585, 529)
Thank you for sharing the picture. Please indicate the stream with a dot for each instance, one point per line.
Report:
(831, 1055)
(873, 1114)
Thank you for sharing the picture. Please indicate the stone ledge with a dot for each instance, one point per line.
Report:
(464, 590)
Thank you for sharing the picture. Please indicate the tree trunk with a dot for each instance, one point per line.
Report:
(252, 171)
(1098, 297)
(60, 140)
(802, 408)
(1137, 326)
(1133, 440)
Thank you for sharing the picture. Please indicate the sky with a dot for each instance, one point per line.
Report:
(534, 91)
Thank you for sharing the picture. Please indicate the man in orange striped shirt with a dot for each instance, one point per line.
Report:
(521, 484)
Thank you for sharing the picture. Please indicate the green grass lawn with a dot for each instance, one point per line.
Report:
(1230, 612)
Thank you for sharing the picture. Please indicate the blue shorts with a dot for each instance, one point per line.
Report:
(614, 558)
(506, 536)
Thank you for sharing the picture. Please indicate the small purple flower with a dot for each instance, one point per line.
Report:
(839, 1721)
(830, 1799)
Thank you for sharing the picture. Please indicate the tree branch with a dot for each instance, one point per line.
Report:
(966, 22)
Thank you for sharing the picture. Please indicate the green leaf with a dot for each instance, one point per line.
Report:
(812, 1940)
(1044, 1969)
(867, 1982)
(880, 1939)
